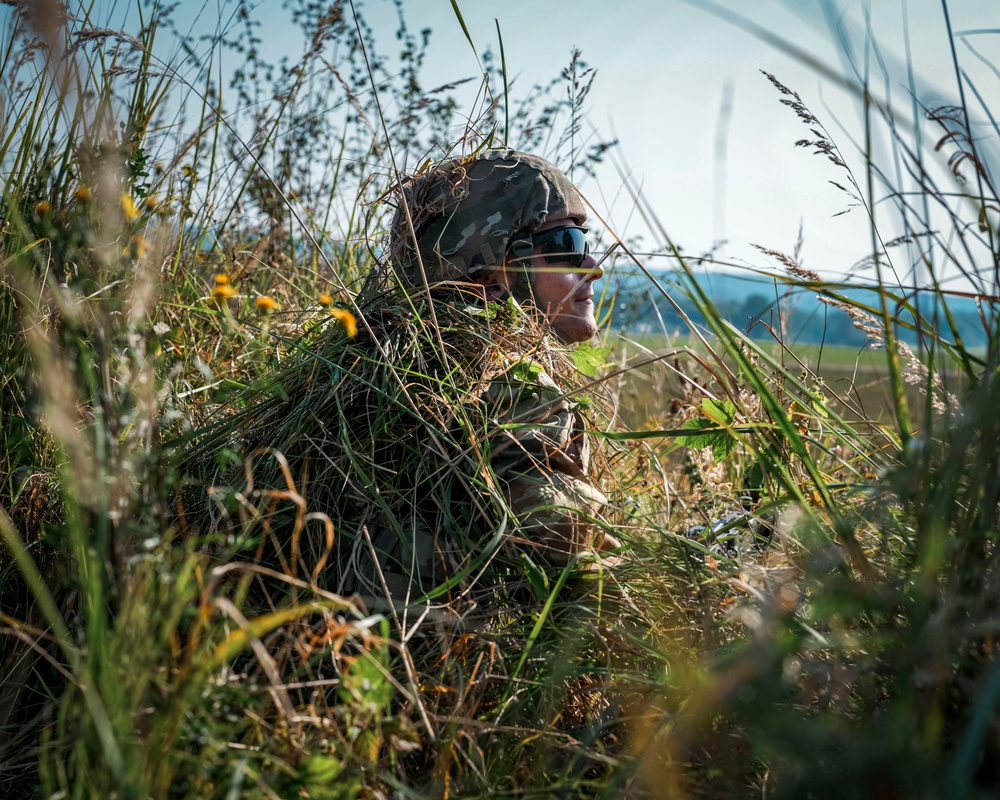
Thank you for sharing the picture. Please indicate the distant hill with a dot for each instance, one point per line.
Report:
(754, 303)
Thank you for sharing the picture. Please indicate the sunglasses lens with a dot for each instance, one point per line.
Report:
(567, 245)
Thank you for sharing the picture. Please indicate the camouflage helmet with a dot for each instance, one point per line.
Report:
(465, 211)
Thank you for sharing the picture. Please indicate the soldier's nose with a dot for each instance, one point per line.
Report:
(590, 268)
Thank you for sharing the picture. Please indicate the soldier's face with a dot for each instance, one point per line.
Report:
(564, 293)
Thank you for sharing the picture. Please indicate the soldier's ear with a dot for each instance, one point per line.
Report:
(496, 284)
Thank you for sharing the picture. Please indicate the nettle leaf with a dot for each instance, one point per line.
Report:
(723, 447)
(698, 441)
(589, 360)
(721, 412)
(718, 413)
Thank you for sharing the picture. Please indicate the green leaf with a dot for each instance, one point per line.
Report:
(536, 577)
(465, 29)
(696, 440)
(721, 412)
(589, 360)
(526, 371)
(818, 401)
(322, 769)
(723, 446)
(323, 778)
(365, 681)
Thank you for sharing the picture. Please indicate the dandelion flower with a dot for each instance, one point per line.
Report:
(326, 299)
(43, 207)
(346, 318)
(128, 206)
(267, 304)
(222, 279)
(150, 202)
(222, 292)
(84, 194)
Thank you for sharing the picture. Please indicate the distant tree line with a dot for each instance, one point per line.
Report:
(761, 312)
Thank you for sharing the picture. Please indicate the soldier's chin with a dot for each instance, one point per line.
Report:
(574, 329)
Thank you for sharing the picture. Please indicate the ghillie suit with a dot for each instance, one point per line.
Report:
(439, 466)
(443, 456)
(442, 439)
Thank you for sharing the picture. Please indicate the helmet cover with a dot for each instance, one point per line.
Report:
(465, 211)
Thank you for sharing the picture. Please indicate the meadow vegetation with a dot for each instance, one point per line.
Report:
(192, 425)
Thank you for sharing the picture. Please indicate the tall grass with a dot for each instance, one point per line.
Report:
(194, 438)
(867, 665)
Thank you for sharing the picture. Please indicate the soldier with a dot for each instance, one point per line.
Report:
(498, 225)
(508, 221)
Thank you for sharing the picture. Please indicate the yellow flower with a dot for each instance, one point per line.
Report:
(223, 292)
(43, 207)
(150, 202)
(325, 299)
(128, 206)
(84, 194)
(346, 318)
(137, 246)
(222, 279)
(267, 304)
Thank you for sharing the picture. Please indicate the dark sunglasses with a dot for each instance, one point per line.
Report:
(558, 245)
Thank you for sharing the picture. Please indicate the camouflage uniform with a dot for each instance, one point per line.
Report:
(543, 458)
(453, 222)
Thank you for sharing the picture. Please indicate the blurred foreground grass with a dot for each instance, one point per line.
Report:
(807, 599)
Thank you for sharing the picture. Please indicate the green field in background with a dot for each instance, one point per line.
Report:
(855, 379)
